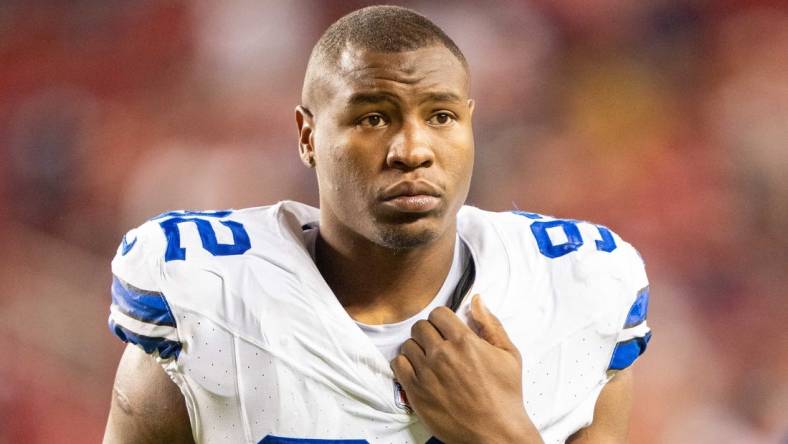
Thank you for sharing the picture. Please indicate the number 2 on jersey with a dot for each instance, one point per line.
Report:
(574, 240)
(207, 234)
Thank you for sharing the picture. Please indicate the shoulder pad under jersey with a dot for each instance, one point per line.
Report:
(139, 313)
(582, 257)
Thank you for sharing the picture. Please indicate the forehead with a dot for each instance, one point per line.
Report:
(423, 70)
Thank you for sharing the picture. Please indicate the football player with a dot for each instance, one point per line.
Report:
(394, 313)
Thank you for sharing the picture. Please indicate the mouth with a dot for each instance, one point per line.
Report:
(412, 197)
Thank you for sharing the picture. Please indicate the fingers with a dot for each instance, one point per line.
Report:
(488, 326)
(448, 324)
(415, 354)
(403, 370)
(425, 334)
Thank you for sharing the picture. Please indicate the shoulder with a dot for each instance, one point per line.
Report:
(172, 237)
(170, 263)
(136, 259)
(561, 260)
(549, 243)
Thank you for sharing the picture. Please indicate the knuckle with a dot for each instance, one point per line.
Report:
(399, 360)
(410, 346)
(517, 356)
(398, 365)
(465, 337)
(419, 327)
(439, 312)
(439, 353)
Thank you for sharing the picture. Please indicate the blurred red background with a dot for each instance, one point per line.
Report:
(665, 120)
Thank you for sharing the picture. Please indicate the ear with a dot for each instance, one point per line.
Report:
(306, 147)
(471, 106)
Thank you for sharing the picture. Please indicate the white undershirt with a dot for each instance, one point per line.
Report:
(389, 337)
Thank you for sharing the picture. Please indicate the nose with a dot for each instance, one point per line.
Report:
(410, 148)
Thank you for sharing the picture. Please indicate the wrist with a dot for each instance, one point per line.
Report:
(525, 432)
(519, 430)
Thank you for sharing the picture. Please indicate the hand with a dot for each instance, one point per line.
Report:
(466, 387)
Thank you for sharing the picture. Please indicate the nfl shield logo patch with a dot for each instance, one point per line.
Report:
(401, 398)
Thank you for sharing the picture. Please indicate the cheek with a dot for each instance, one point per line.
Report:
(460, 157)
(343, 169)
(330, 157)
(358, 157)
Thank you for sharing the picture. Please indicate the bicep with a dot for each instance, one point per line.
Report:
(611, 413)
(147, 407)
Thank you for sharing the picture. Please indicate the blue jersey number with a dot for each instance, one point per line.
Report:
(573, 238)
(207, 234)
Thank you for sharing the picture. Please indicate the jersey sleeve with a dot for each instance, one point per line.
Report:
(140, 313)
(634, 334)
(603, 274)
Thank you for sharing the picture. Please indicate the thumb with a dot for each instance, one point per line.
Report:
(488, 327)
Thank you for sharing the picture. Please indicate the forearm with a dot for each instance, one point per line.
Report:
(521, 430)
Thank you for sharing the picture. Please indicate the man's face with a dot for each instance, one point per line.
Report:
(393, 145)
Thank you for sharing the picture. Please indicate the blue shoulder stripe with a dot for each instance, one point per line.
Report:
(626, 352)
(165, 347)
(145, 306)
(639, 311)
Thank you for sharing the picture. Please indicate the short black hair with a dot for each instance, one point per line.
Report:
(377, 28)
(383, 29)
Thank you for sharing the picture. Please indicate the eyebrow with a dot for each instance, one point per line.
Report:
(365, 98)
(370, 98)
(441, 97)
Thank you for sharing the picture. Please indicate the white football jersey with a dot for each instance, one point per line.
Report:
(233, 307)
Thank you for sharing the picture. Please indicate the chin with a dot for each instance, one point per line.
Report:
(401, 230)
(402, 240)
(406, 236)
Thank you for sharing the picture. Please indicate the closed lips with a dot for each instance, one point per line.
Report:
(404, 189)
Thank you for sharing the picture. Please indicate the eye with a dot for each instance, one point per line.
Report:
(372, 121)
(442, 118)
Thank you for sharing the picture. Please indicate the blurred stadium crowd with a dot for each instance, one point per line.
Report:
(666, 120)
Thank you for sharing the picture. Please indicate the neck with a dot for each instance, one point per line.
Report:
(379, 285)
